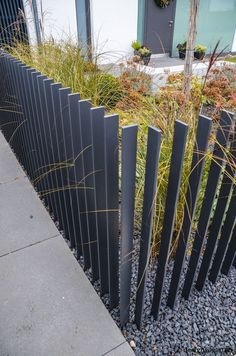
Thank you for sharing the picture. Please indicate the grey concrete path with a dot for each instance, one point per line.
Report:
(47, 305)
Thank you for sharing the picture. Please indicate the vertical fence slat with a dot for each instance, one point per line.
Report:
(27, 152)
(218, 218)
(57, 137)
(48, 151)
(65, 156)
(89, 195)
(128, 169)
(49, 121)
(73, 178)
(197, 165)
(152, 160)
(36, 117)
(226, 233)
(230, 253)
(209, 197)
(176, 166)
(98, 139)
(21, 151)
(111, 126)
(43, 176)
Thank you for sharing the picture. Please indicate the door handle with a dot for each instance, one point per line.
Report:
(171, 23)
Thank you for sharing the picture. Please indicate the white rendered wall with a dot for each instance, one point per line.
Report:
(234, 43)
(58, 19)
(30, 21)
(114, 27)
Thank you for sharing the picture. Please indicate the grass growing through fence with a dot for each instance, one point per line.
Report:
(129, 95)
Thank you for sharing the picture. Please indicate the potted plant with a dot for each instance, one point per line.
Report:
(136, 45)
(182, 49)
(163, 3)
(142, 51)
(199, 51)
(145, 54)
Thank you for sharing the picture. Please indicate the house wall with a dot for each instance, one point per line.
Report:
(114, 27)
(234, 43)
(59, 19)
(216, 21)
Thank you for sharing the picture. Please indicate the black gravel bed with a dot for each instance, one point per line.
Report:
(203, 325)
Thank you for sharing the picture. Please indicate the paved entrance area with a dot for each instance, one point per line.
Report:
(47, 305)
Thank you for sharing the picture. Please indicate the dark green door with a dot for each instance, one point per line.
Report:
(159, 26)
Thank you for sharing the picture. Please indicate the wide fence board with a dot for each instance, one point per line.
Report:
(151, 170)
(98, 142)
(128, 169)
(222, 136)
(197, 165)
(111, 126)
(172, 196)
(222, 201)
(226, 234)
(230, 254)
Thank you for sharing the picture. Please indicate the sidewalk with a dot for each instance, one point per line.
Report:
(47, 305)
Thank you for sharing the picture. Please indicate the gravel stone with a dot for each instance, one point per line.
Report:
(203, 325)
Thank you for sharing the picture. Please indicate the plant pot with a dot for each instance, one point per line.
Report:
(136, 52)
(146, 59)
(199, 55)
(182, 54)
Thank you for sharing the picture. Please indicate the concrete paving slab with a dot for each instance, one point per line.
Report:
(122, 350)
(9, 166)
(48, 306)
(23, 218)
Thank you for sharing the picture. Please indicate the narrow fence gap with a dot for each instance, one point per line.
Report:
(151, 171)
(226, 234)
(197, 165)
(222, 136)
(175, 174)
(111, 126)
(98, 142)
(219, 214)
(230, 254)
(128, 169)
